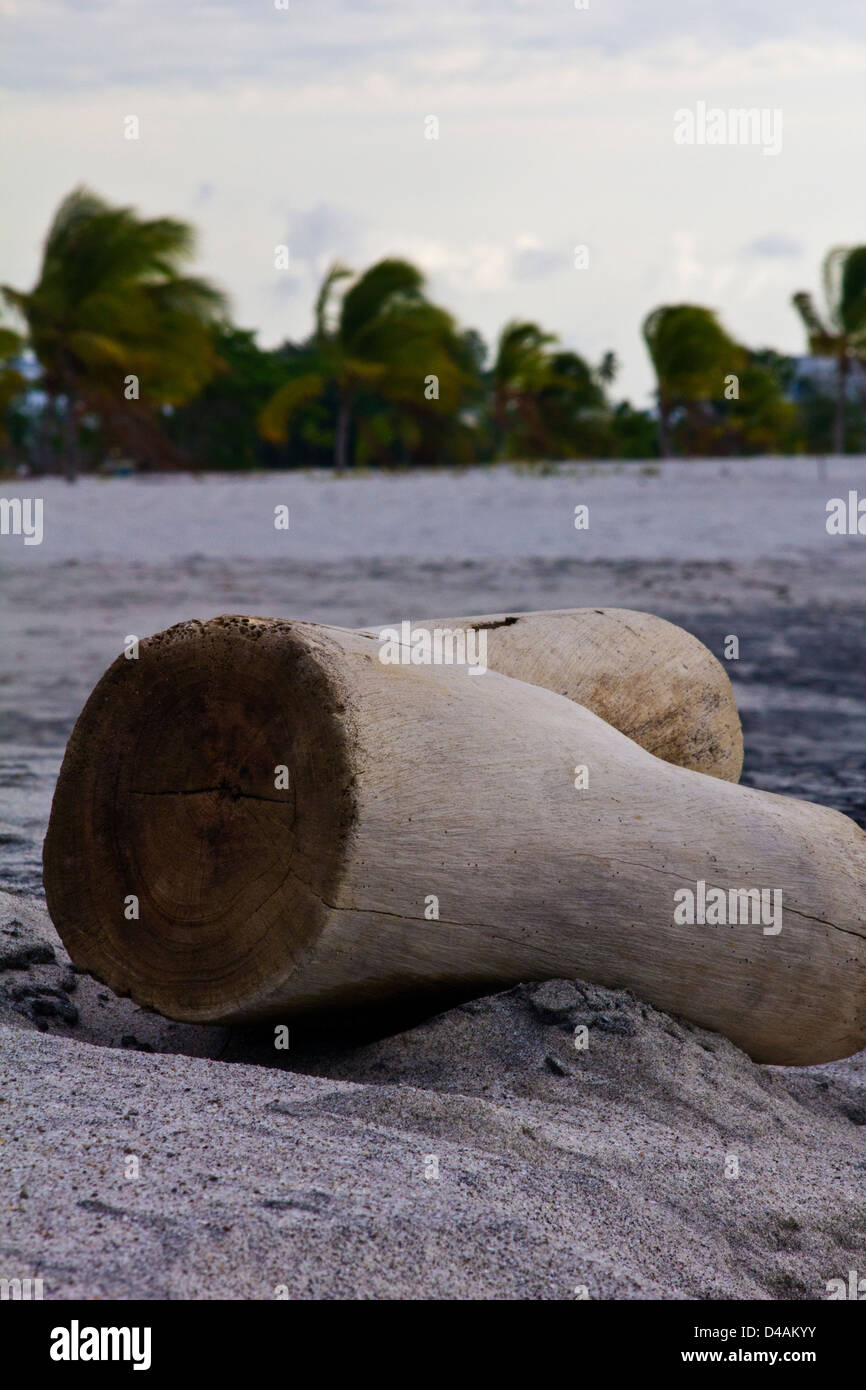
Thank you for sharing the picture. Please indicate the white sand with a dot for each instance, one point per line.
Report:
(730, 510)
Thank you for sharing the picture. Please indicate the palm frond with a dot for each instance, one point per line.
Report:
(852, 307)
(821, 341)
(333, 275)
(275, 419)
(385, 284)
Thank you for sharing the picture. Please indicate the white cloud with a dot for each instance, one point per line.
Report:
(481, 268)
(775, 246)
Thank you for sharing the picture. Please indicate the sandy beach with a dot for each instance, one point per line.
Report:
(558, 1174)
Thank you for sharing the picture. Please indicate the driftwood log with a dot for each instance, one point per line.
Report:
(257, 819)
(651, 680)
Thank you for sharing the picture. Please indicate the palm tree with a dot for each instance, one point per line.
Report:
(763, 420)
(111, 302)
(691, 354)
(545, 399)
(572, 406)
(374, 351)
(521, 372)
(607, 369)
(843, 336)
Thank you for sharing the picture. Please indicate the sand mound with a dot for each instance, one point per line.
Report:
(481, 1154)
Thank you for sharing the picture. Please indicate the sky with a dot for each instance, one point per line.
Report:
(307, 127)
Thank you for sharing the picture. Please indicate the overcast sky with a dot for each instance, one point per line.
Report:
(306, 127)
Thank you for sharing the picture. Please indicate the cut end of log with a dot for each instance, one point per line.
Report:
(177, 866)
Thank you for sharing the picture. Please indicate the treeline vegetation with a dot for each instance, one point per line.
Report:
(118, 357)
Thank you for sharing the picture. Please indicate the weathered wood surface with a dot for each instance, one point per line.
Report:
(651, 680)
(409, 785)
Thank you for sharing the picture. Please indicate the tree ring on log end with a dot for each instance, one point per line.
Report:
(198, 828)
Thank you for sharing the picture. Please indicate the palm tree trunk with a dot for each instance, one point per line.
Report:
(71, 457)
(42, 437)
(499, 427)
(842, 369)
(341, 439)
(664, 426)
